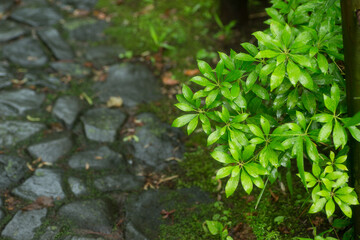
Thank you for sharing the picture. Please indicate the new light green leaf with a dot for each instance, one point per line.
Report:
(211, 97)
(181, 121)
(201, 81)
(246, 182)
(267, 54)
(302, 39)
(224, 172)
(214, 136)
(251, 48)
(192, 125)
(323, 63)
(306, 80)
(293, 72)
(302, 60)
(231, 185)
(184, 107)
(188, 94)
(325, 131)
(256, 130)
(339, 135)
(245, 57)
(265, 125)
(330, 103)
(260, 92)
(317, 206)
(222, 157)
(330, 208)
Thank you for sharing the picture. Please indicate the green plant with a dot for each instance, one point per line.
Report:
(280, 104)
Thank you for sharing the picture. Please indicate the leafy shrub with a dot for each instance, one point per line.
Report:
(280, 104)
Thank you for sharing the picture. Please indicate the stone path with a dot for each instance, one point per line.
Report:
(65, 170)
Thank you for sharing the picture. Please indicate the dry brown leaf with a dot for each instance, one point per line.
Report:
(98, 157)
(40, 202)
(114, 102)
(80, 13)
(191, 72)
(87, 166)
(168, 80)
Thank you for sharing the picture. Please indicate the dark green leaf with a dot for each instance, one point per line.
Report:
(330, 103)
(292, 99)
(277, 77)
(233, 75)
(227, 60)
(252, 49)
(260, 92)
(339, 135)
(309, 102)
(300, 158)
(323, 63)
(301, 60)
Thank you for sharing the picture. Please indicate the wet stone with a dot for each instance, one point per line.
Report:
(85, 30)
(82, 238)
(78, 4)
(101, 124)
(134, 83)
(142, 210)
(70, 68)
(24, 224)
(12, 132)
(77, 186)
(51, 37)
(67, 108)
(12, 169)
(44, 182)
(101, 158)
(25, 52)
(121, 182)
(51, 148)
(34, 3)
(36, 16)
(35, 78)
(94, 215)
(21, 100)
(5, 77)
(50, 233)
(5, 5)
(158, 143)
(10, 30)
(103, 55)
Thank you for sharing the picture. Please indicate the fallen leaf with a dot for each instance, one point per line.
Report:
(274, 196)
(87, 166)
(98, 157)
(191, 72)
(80, 13)
(40, 202)
(114, 102)
(168, 80)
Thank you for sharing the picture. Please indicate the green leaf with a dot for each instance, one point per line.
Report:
(205, 123)
(266, 40)
(235, 90)
(192, 125)
(233, 75)
(224, 172)
(214, 227)
(245, 57)
(250, 80)
(325, 131)
(231, 185)
(329, 103)
(222, 157)
(277, 77)
(181, 121)
(241, 117)
(184, 107)
(317, 206)
(248, 151)
(302, 39)
(344, 191)
(323, 63)
(267, 54)
(201, 81)
(246, 182)
(226, 93)
(256, 131)
(252, 49)
(354, 120)
(292, 99)
(211, 97)
(260, 92)
(214, 136)
(240, 101)
(300, 158)
(335, 94)
(323, 117)
(301, 119)
(355, 132)
(219, 69)
(306, 80)
(293, 72)
(255, 169)
(302, 60)
(267, 69)
(345, 208)
(227, 60)
(286, 35)
(188, 94)
(339, 135)
(265, 125)
(348, 199)
(258, 182)
(311, 150)
(330, 208)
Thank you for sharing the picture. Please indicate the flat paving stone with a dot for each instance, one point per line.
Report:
(67, 108)
(36, 78)
(120, 182)
(44, 182)
(86, 30)
(21, 100)
(83, 238)
(24, 224)
(77, 186)
(143, 211)
(52, 39)
(12, 132)
(100, 158)
(10, 30)
(5, 77)
(103, 55)
(102, 124)
(5, 5)
(158, 143)
(12, 170)
(78, 4)
(36, 16)
(25, 52)
(51, 148)
(134, 83)
(70, 68)
(94, 215)
(50, 233)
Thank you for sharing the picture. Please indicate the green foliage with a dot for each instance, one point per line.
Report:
(278, 105)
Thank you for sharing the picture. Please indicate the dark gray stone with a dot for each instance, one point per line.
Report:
(36, 16)
(143, 217)
(12, 132)
(34, 3)
(67, 108)
(101, 124)
(77, 186)
(121, 182)
(2, 215)
(85, 30)
(134, 83)
(78, 4)
(103, 55)
(101, 158)
(82, 238)
(21, 100)
(24, 224)
(35, 78)
(10, 30)
(158, 143)
(25, 52)
(5, 77)
(50, 233)
(70, 68)
(5, 5)
(51, 37)
(12, 169)
(92, 215)
(51, 148)
(44, 182)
